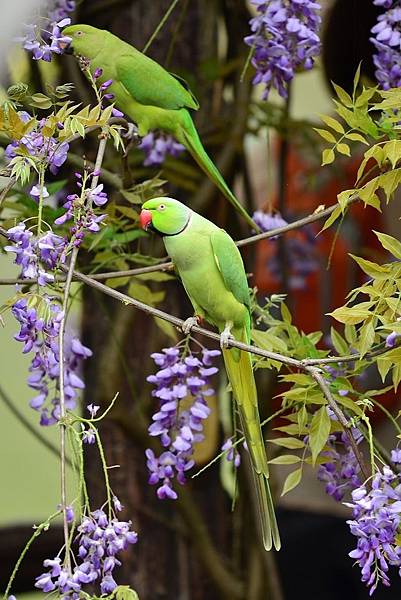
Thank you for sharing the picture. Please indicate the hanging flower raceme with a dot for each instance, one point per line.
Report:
(284, 40)
(39, 319)
(80, 208)
(182, 386)
(100, 539)
(44, 38)
(36, 256)
(156, 146)
(387, 41)
(341, 471)
(376, 521)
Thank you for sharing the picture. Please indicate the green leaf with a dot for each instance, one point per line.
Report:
(40, 101)
(353, 315)
(342, 95)
(319, 432)
(356, 137)
(333, 217)
(292, 480)
(124, 592)
(366, 337)
(285, 459)
(389, 243)
(333, 123)
(344, 149)
(392, 151)
(288, 442)
(372, 269)
(339, 342)
(357, 77)
(328, 156)
(383, 366)
(390, 181)
(326, 135)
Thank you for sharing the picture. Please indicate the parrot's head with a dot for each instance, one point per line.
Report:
(165, 216)
(85, 40)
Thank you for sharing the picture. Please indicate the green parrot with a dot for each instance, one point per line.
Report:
(148, 94)
(212, 272)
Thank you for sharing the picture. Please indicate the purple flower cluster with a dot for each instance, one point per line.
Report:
(40, 328)
(182, 386)
(268, 221)
(341, 471)
(80, 208)
(387, 41)
(156, 146)
(285, 39)
(100, 540)
(376, 521)
(46, 39)
(33, 254)
(40, 147)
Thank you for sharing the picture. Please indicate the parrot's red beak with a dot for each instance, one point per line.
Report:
(145, 218)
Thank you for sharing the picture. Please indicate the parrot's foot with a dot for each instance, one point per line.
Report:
(191, 322)
(132, 132)
(226, 336)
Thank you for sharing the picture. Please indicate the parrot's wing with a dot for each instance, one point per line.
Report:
(150, 84)
(230, 265)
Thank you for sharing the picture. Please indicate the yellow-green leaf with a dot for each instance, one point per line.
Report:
(390, 244)
(333, 123)
(342, 95)
(285, 459)
(288, 442)
(326, 135)
(356, 137)
(350, 316)
(319, 432)
(292, 480)
(328, 156)
(344, 149)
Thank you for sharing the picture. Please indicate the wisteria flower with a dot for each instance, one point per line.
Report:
(285, 39)
(387, 42)
(182, 386)
(376, 521)
(156, 146)
(100, 539)
(45, 38)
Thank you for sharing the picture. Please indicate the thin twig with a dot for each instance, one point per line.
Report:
(320, 380)
(160, 25)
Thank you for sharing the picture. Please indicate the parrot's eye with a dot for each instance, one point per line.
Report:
(79, 33)
(161, 207)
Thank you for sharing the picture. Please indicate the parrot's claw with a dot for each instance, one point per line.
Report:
(225, 337)
(132, 133)
(189, 323)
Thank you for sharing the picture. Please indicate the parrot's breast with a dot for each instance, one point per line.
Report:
(193, 257)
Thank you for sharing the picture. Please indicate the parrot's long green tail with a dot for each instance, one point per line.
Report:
(188, 136)
(240, 374)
